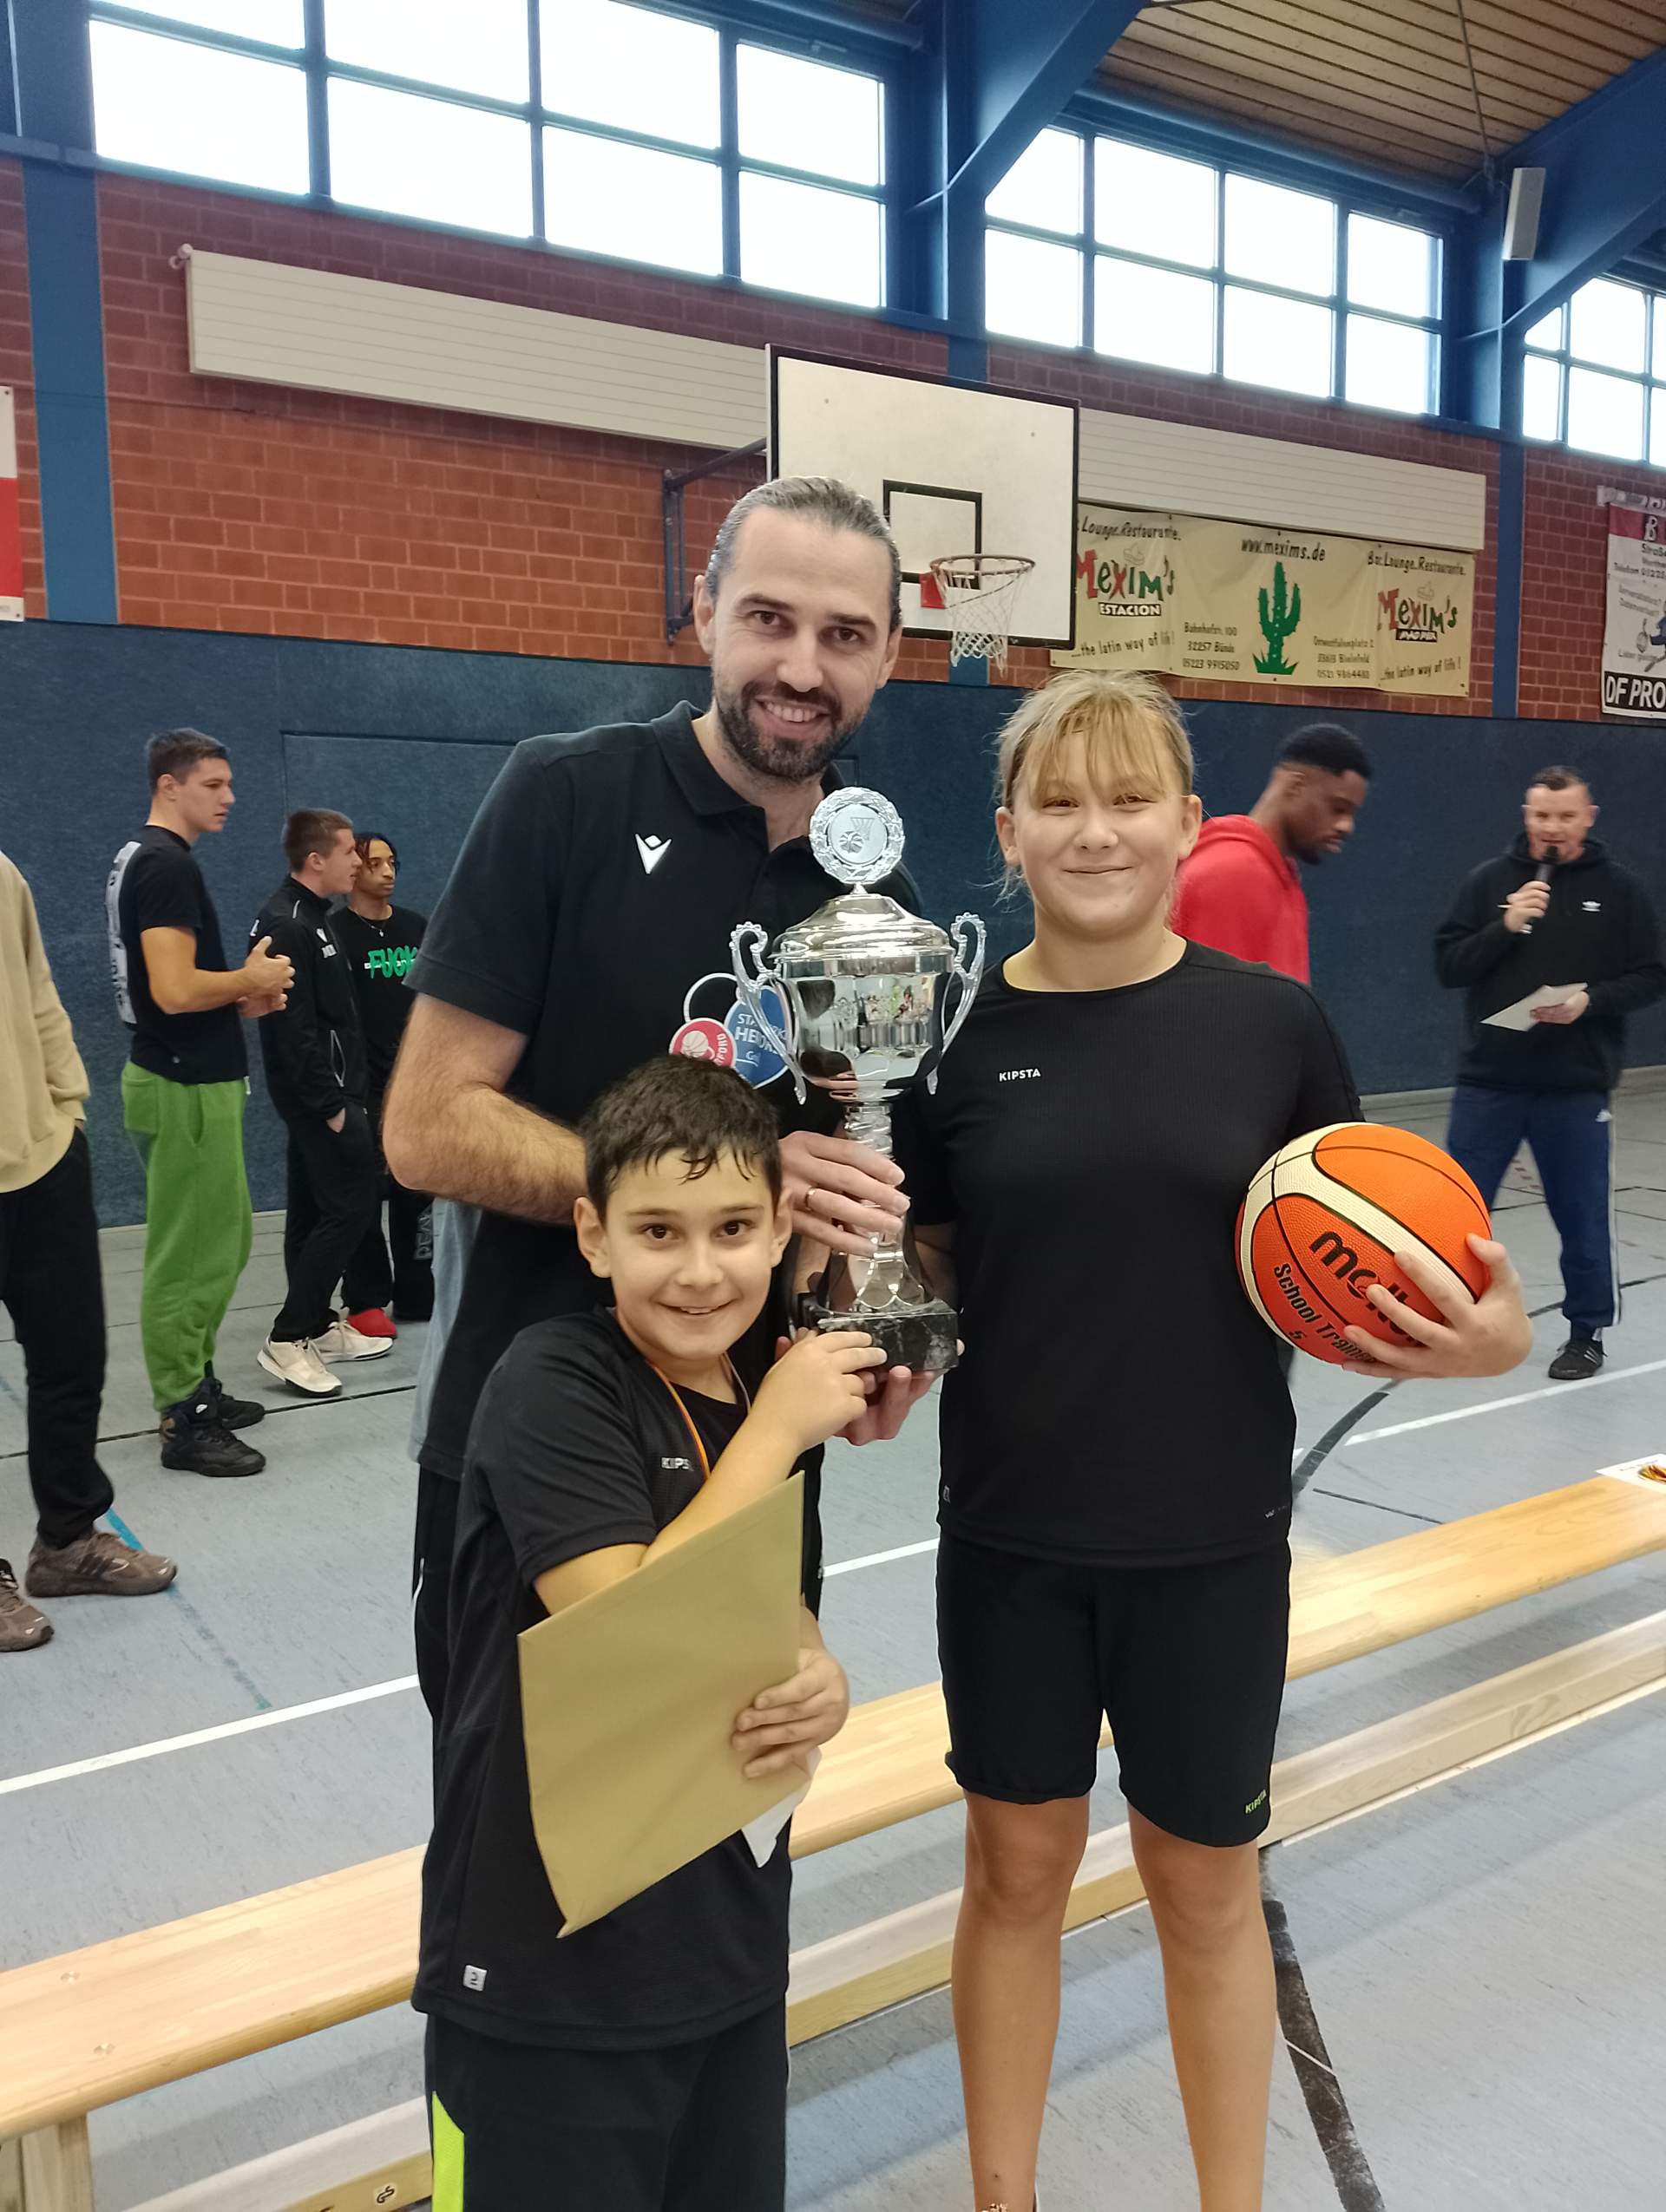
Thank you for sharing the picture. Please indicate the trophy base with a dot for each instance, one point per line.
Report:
(925, 1337)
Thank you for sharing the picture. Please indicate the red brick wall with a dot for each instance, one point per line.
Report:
(17, 369)
(252, 507)
(1565, 580)
(1124, 390)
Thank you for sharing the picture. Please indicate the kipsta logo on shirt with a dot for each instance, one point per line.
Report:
(650, 851)
(1020, 1074)
(1593, 905)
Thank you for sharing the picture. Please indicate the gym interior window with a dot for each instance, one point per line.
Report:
(1595, 373)
(1151, 257)
(598, 127)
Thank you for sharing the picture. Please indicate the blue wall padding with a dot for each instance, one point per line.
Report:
(406, 740)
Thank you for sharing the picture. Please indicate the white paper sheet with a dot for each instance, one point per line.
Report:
(1520, 1016)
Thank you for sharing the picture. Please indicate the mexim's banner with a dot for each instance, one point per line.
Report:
(1425, 615)
(1275, 607)
(1127, 581)
(11, 541)
(1243, 603)
(1634, 636)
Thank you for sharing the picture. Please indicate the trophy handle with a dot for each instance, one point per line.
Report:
(747, 947)
(970, 939)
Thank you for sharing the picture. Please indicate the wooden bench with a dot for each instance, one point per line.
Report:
(94, 2026)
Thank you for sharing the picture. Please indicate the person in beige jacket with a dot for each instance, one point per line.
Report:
(50, 1285)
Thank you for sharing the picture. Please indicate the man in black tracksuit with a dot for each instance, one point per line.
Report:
(317, 1074)
(1553, 910)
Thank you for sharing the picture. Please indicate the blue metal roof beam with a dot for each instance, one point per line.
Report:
(1604, 187)
(1022, 66)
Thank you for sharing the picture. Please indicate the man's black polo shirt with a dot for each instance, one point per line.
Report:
(591, 909)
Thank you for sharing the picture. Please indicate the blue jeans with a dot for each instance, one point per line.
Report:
(1570, 1133)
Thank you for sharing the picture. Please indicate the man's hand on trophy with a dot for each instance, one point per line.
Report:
(842, 1195)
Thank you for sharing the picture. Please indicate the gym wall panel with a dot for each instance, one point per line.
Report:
(333, 333)
(1138, 463)
(412, 736)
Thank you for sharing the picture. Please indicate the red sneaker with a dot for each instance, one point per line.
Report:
(372, 1322)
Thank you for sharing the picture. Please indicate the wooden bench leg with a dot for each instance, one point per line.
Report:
(48, 2171)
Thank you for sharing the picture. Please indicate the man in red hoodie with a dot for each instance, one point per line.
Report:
(1240, 890)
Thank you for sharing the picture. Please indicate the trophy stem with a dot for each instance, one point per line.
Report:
(868, 1121)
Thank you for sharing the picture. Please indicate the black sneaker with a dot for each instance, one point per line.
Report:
(196, 1442)
(1578, 1360)
(230, 1412)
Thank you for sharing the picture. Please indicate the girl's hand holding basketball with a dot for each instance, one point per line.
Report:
(1487, 1335)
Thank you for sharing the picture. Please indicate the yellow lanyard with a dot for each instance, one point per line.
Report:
(742, 1396)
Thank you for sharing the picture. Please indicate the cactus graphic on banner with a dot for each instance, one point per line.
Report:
(1279, 623)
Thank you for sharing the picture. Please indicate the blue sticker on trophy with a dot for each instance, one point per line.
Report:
(756, 1058)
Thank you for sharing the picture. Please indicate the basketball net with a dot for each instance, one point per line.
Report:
(977, 591)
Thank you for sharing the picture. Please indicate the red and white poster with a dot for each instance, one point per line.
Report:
(11, 537)
(1634, 638)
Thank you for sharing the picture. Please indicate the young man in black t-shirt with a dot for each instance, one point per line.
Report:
(587, 925)
(317, 1076)
(641, 2060)
(381, 942)
(182, 1094)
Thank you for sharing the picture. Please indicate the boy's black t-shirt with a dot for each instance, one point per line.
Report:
(156, 884)
(1120, 1402)
(577, 1445)
(381, 955)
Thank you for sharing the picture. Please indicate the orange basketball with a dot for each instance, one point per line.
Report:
(1324, 1219)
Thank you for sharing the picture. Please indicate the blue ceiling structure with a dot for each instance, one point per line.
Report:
(971, 82)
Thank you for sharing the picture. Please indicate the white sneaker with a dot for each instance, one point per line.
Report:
(341, 1340)
(299, 1366)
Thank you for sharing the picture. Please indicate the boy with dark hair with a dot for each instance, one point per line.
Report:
(182, 1094)
(1240, 891)
(382, 941)
(316, 1073)
(642, 2060)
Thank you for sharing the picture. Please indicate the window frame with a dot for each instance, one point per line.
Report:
(1651, 376)
(1346, 200)
(311, 59)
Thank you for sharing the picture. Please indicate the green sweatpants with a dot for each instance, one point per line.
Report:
(197, 1224)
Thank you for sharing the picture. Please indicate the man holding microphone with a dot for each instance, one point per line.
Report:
(1554, 910)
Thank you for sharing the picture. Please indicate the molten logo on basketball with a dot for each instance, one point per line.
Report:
(1330, 1252)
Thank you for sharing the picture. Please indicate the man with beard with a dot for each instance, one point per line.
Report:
(586, 925)
(1240, 891)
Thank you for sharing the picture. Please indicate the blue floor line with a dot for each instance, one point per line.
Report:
(199, 1625)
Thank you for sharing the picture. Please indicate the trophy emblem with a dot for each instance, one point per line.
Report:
(864, 985)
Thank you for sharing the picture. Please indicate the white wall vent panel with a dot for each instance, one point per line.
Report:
(325, 332)
(1127, 461)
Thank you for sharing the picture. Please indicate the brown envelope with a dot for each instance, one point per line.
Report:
(629, 1700)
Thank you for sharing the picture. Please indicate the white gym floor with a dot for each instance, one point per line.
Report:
(1486, 1958)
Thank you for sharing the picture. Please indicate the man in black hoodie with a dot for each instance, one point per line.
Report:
(1553, 910)
(316, 1075)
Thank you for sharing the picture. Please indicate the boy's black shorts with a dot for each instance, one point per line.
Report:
(694, 2127)
(1187, 1662)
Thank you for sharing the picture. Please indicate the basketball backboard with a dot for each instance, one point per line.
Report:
(953, 467)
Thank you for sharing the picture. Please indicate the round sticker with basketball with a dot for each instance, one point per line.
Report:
(726, 1035)
(705, 1040)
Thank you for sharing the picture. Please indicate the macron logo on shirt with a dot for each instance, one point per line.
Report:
(650, 851)
(1019, 1074)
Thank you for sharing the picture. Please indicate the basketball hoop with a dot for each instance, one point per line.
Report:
(977, 591)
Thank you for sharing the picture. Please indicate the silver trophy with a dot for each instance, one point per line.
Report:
(861, 987)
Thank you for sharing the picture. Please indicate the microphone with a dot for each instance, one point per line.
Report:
(1543, 873)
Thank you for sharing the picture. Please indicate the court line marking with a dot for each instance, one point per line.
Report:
(245, 1726)
(1503, 1404)
(10, 1786)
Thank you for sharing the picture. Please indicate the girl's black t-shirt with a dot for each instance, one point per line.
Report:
(1120, 1401)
